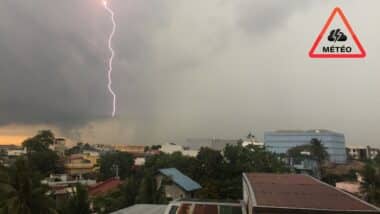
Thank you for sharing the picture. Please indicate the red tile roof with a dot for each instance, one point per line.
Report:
(300, 191)
(103, 187)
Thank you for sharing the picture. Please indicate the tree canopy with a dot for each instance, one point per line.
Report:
(21, 191)
(370, 185)
(109, 161)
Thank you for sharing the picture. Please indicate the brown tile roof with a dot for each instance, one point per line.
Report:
(104, 187)
(301, 191)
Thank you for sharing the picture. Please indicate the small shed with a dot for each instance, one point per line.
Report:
(176, 185)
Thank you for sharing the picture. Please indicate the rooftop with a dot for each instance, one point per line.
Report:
(143, 209)
(104, 186)
(203, 207)
(180, 179)
(301, 192)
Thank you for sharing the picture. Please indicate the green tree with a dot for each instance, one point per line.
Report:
(149, 192)
(318, 151)
(40, 142)
(46, 162)
(370, 185)
(123, 160)
(211, 162)
(377, 160)
(185, 164)
(124, 197)
(78, 202)
(40, 157)
(21, 192)
(239, 159)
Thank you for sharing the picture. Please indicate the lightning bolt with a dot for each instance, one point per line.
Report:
(110, 60)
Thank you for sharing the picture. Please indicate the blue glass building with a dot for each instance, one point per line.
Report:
(280, 141)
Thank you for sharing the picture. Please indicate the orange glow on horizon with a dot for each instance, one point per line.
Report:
(12, 139)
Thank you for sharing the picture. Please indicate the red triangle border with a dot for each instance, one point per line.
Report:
(336, 11)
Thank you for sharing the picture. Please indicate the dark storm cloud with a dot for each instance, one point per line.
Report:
(182, 69)
(52, 57)
(50, 71)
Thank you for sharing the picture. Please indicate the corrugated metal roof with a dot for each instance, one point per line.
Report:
(180, 179)
(301, 191)
(143, 209)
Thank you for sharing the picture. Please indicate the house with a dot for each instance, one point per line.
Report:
(295, 193)
(362, 152)
(170, 148)
(16, 152)
(104, 187)
(62, 185)
(175, 184)
(135, 150)
(212, 143)
(79, 164)
(59, 146)
(64, 180)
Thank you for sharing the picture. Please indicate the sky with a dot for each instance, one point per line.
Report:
(183, 69)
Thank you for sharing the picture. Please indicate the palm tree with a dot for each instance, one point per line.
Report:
(20, 193)
(319, 151)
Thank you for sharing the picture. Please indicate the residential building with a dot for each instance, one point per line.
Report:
(170, 148)
(79, 164)
(59, 146)
(362, 152)
(4, 148)
(265, 193)
(213, 143)
(251, 140)
(281, 141)
(373, 152)
(61, 186)
(175, 184)
(102, 147)
(132, 149)
(64, 180)
(16, 152)
(104, 187)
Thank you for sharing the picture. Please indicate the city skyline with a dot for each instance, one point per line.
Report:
(183, 69)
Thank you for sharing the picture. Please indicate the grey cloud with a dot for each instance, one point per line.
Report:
(264, 16)
(182, 69)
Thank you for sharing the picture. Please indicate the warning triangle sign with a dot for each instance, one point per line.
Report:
(337, 39)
